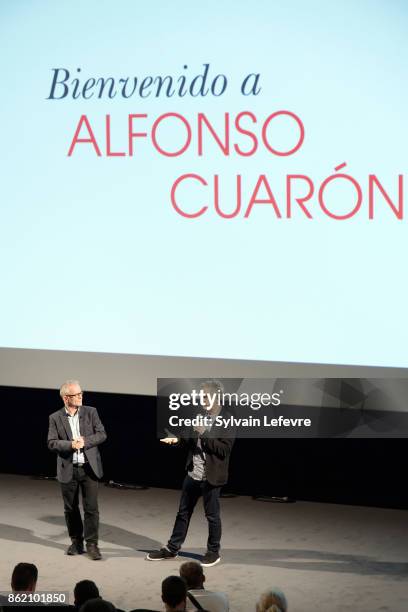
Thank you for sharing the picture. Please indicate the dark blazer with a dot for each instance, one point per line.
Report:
(217, 451)
(60, 439)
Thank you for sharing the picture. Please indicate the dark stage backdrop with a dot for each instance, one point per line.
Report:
(353, 471)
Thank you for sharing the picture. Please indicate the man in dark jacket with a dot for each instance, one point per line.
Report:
(207, 471)
(74, 433)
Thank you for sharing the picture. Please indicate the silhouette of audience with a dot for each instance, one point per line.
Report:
(97, 605)
(213, 601)
(83, 591)
(24, 577)
(184, 593)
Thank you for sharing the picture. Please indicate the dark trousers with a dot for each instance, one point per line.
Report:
(83, 479)
(192, 489)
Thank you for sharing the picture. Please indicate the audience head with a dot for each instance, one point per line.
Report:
(272, 601)
(97, 605)
(193, 574)
(24, 577)
(84, 590)
(174, 593)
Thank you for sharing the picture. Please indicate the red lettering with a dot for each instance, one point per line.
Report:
(173, 196)
(262, 180)
(91, 139)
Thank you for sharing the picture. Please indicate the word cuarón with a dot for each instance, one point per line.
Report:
(241, 135)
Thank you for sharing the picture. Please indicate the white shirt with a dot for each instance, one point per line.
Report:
(198, 471)
(213, 601)
(78, 457)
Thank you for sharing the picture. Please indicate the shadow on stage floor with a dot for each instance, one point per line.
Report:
(130, 544)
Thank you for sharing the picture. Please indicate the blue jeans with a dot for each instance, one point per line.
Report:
(192, 489)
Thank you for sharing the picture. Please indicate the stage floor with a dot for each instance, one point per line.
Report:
(324, 557)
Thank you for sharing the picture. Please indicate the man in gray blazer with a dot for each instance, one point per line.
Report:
(74, 433)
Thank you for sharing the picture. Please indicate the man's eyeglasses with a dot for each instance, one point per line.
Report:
(74, 394)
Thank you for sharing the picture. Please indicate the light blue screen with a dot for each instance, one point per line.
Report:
(93, 255)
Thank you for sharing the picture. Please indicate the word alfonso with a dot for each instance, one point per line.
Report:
(242, 135)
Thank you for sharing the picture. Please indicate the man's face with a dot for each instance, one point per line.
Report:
(73, 398)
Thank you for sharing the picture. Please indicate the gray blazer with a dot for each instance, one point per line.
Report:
(60, 439)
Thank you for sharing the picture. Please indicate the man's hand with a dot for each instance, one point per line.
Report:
(81, 442)
(169, 440)
(78, 443)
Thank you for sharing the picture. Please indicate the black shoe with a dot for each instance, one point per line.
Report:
(76, 548)
(210, 558)
(161, 555)
(93, 552)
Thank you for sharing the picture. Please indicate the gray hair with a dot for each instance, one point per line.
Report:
(272, 600)
(67, 383)
(214, 384)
